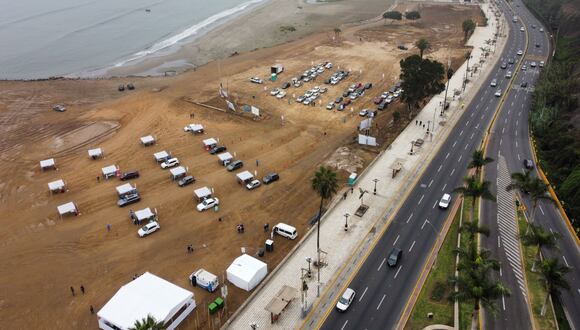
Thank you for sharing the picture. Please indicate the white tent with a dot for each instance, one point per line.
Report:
(68, 208)
(194, 128)
(209, 143)
(144, 214)
(56, 186)
(148, 140)
(202, 193)
(96, 153)
(47, 163)
(125, 189)
(246, 272)
(110, 171)
(177, 172)
(161, 156)
(225, 158)
(245, 176)
(367, 139)
(146, 295)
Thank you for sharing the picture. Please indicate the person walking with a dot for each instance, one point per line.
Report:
(83, 289)
(108, 227)
(72, 290)
(92, 309)
(266, 227)
(98, 178)
(344, 195)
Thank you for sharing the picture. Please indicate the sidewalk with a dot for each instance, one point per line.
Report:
(345, 248)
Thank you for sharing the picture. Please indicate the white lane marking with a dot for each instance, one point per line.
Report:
(477, 126)
(500, 141)
(566, 261)
(551, 231)
(411, 248)
(460, 156)
(519, 157)
(516, 143)
(454, 143)
(452, 171)
(472, 134)
(439, 169)
(505, 121)
(503, 301)
(398, 270)
(466, 146)
(434, 204)
(467, 123)
(513, 101)
(578, 290)
(424, 223)
(409, 218)
(542, 210)
(396, 239)
(443, 189)
(421, 199)
(483, 115)
(473, 113)
(517, 122)
(503, 130)
(379, 306)
(522, 105)
(382, 263)
(363, 294)
(344, 325)
(500, 272)
(430, 183)
(447, 156)
(461, 133)
(498, 242)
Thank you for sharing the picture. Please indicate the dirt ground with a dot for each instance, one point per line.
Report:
(42, 255)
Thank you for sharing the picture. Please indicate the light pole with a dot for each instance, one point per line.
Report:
(375, 189)
(412, 143)
(346, 215)
(309, 260)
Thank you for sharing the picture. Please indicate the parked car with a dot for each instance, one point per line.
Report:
(445, 201)
(286, 85)
(274, 92)
(256, 80)
(59, 108)
(378, 100)
(338, 100)
(128, 199)
(271, 177)
(345, 300)
(236, 164)
(297, 83)
(402, 47)
(347, 102)
(253, 184)
(129, 175)
(148, 229)
(171, 162)
(368, 85)
(130, 87)
(300, 98)
(217, 150)
(281, 95)
(121, 88)
(363, 113)
(341, 107)
(207, 203)
(528, 163)
(382, 105)
(394, 257)
(330, 106)
(328, 65)
(186, 181)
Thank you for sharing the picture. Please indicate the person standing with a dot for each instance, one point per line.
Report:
(72, 290)
(92, 309)
(82, 289)
(108, 227)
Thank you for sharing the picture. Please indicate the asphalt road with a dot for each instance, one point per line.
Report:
(383, 292)
(510, 140)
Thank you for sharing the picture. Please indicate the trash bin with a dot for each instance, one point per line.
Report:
(219, 302)
(269, 245)
(261, 253)
(212, 308)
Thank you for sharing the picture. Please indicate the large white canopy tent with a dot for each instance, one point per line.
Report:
(209, 143)
(202, 193)
(56, 186)
(144, 214)
(125, 189)
(47, 164)
(146, 295)
(148, 140)
(177, 172)
(246, 272)
(67, 208)
(96, 153)
(110, 171)
(225, 158)
(161, 156)
(245, 176)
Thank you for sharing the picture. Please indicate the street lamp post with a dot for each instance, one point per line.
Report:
(346, 215)
(375, 189)
(309, 260)
(412, 143)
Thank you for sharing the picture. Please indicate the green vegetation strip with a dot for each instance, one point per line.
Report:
(465, 309)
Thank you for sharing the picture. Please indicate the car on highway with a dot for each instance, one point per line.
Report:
(524, 84)
(236, 164)
(533, 64)
(217, 150)
(148, 229)
(345, 300)
(522, 29)
(498, 92)
(128, 199)
(541, 64)
(541, 29)
(129, 175)
(528, 163)
(537, 45)
(207, 203)
(256, 80)
(445, 201)
(271, 177)
(394, 257)
(524, 67)
(503, 65)
(508, 75)
(186, 181)
(493, 83)
(511, 60)
(171, 162)
(520, 52)
(253, 184)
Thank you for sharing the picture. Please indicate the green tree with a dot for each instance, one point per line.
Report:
(468, 27)
(538, 236)
(531, 185)
(421, 78)
(396, 116)
(473, 228)
(475, 189)
(325, 184)
(412, 15)
(392, 15)
(553, 273)
(148, 323)
(478, 161)
(423, 45)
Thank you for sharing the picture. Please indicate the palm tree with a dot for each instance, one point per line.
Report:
(538, 236)
(325, 184)
(531, 185)
(148, 323)
(473, 228)
(478, 161)
(423, 45)
(475, 189)
(553, 274)
(468, 28)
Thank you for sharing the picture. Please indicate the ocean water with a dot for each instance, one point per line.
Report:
(41, 39)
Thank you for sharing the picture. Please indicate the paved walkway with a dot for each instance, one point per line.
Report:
(344, 248)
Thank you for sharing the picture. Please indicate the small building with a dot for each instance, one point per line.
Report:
(246, 272)
(161, 156)
(225, 158)
(57, 186)
(209, 143)
(67, 208)
(148, 140)
(202, 193)
(143, 215)
(146, 295)
(126, 189)
(177, 173)
(276, 69)
(110, 171)
(245, 177)
(96, 153)
(48, 164)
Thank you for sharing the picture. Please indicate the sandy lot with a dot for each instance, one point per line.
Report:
(42, 255)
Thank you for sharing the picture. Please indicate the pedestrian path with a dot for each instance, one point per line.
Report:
(343, 249)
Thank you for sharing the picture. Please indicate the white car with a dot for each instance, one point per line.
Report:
(148, 229)
(59, 108)
(281, 95)
(328, 65)
(274, 92)
(345, 300)
(509, 74)
(207, 204)
(522, 29)
(445, 201)
(494, 83)
(541, 29)
(498, 93)
(256, 80)
(524, 67)
(520, 52)
(330, 106)
(363, 113)
(396, 94)
(541, 64)
(533, 64)
(254, 184)
(171, 162)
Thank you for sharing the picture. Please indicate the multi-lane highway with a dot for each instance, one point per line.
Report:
(383, 292)
(509, 145)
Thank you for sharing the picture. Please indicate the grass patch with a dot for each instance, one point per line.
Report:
(536, 287)
(434, 295)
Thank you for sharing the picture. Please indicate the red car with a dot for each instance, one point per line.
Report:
(378, 100)
(347, 102)
(358, 85)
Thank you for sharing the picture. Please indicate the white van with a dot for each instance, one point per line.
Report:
(285, 230)
(204, 279)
